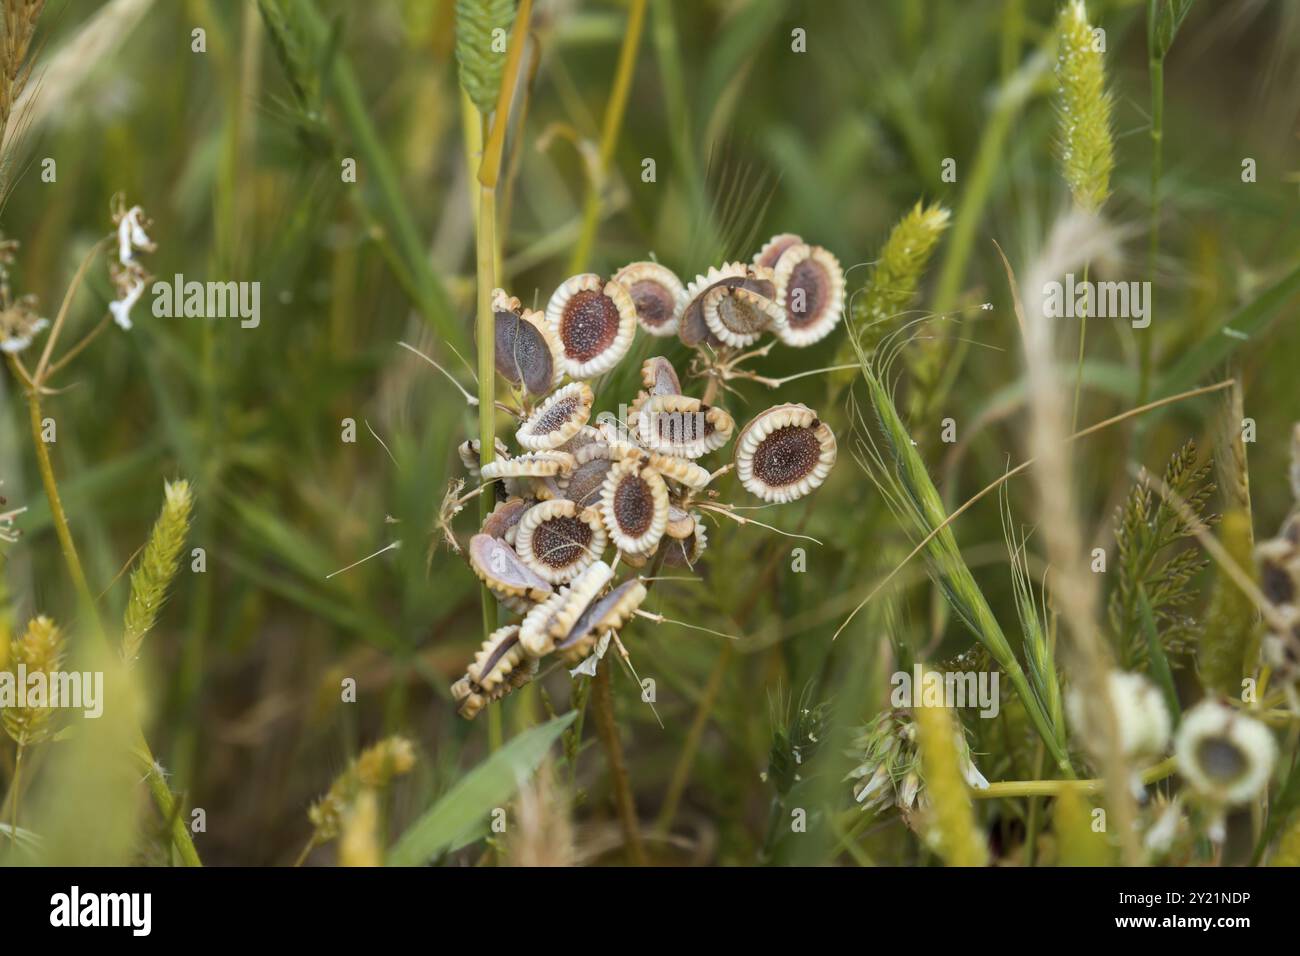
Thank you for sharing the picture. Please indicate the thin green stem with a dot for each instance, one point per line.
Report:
(1156, 67)
(157, 785)
(609, 134)
(1050, 788)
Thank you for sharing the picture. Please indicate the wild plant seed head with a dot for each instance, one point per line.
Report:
(40, 651)
(127, 273)
(893, 279)
(20, 322)
(153, 576)
(1085, 144)
(1226, 756)
(374, 769)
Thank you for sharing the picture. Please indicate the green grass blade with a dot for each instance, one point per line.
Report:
(464, 809)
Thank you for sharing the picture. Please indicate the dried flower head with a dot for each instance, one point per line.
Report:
(127, 273)
(1226, 756)
(20, 322)
(889, 771)
(1140, 716)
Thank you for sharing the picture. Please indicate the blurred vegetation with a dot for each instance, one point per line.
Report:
(236, 154)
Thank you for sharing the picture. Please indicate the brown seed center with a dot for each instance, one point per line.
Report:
(555, 417)
(787, 455)
(561, 541)
(633, 506)
(654, 304)
(589, 325)
(807, 293)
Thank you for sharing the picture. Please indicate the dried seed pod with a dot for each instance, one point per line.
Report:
(505, 516)
(770, 254)
(608, 613)
(469, 454)
(584, 485)
(556, 616)
(1281, 647)
(533, 464)
(546, 489)
(686, 552)
(784, 453)
(526, 353)
(691, 327)
(557, 419)
(739, 316)
(659, 377)
(594, 322)
(1279, 570)
(559, 541)
(656, 295)
(682, 426)
(680, 523)
(472, 698)
(634, 503)
(500, 568)
(584, 437)
(810, 293)
(684, 472)
(496, 658)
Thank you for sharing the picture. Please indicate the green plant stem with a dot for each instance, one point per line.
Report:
(157, 785)
(682, 769)
(1050, 788)
(1156, 69)
(609, 134)
(485, 325)
(602, 704)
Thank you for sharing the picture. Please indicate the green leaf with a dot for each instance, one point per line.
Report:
(1159, 663)
(462, 812)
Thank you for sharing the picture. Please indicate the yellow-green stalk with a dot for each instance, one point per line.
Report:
(1077, 843)
(950, 813)
(153, 576)
(1230, 639)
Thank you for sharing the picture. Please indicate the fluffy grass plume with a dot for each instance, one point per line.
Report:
(1084, 144)
(40, 650)
(892, 282)
(373, 770)
(153, 576)
(1148, 560)
(480, 64)
(951, 816)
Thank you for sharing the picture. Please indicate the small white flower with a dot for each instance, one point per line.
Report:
(19, 337)
(1140, 716)
(121, 308)
(1224, 755)
(131, 236)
